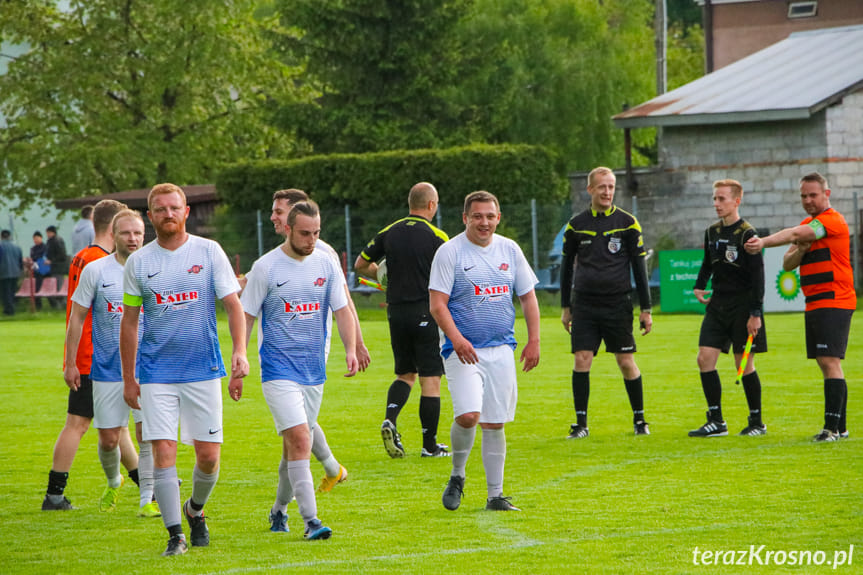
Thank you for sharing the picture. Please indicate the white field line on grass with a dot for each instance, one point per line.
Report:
(524, 543)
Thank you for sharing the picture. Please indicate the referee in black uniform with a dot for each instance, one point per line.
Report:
(600, 247)
(734, 310)
(409, 246)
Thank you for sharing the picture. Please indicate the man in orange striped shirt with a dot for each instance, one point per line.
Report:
(820, 246)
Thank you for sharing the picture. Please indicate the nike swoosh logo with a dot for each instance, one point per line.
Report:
(469, 268)
(155, 274)
(106, 285)
(214, 432)
(280, 284)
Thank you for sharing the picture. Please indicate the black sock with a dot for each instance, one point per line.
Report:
(397, 397)
(195, 506)
(713, 394)
(133, 475)
(57, 482)
(429, 418)
(175, 530)
(635, 391)
(834, 394)
(580, 395)
(752, 389)
(843, 423)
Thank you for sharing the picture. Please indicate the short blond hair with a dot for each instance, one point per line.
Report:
(598, 171)
(736, 188)
(164, 190)
(125, 213)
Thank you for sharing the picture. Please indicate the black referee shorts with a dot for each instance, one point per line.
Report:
(827, 332)
(81, 401)
(415, 339)
(608, 320)
(724, 328)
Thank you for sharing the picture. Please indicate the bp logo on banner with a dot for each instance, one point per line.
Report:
(781, 288)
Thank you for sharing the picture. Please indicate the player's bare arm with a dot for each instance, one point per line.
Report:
(129, 352)
(702, 295)
(366, 268)
(440, 312)
(235, 385)
(530, 308)
(77, 316)
(346, 324)
(237, 327)
(363, 355)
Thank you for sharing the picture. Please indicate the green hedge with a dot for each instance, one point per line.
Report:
(376, 187)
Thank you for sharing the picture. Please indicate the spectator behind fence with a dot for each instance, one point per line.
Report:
(83, 234)
(55, 256)
(10, 270)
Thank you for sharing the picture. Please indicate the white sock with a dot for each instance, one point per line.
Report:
(284, 492)
(202, 487)
(110, 461)
(145, 472)
(462, 439)
(301, 480)
(493, 459)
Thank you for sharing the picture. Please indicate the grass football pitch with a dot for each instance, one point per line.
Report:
(611, 503)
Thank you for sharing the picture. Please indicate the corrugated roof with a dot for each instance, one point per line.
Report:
(137, 199)
(791, 79)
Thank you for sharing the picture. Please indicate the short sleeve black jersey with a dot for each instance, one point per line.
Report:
(409, 246)
(736, 273)
(604, 246)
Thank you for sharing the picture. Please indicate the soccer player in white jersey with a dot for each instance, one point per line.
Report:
(473, 279)
(334, 472)
(293, 288)
(177, 279)
(100, 289)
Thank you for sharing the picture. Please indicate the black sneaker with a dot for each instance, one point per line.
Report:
(500, 503)
(826, 435)
(710, 429)
(754, 428)
(65, 505)
(453, 493)
(199, 534)
(577, 432)
(392, 440)
(844, 434)
(641, 428)
(440, 450)
(176, 546)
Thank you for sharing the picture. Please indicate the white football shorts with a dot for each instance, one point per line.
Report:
(109, 408)
(489, 386)
(293, 404)
(195, 406)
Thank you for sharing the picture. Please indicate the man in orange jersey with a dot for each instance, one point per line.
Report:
(820, 245)
(80, 406)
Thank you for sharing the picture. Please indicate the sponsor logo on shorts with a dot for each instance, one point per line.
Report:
(214, 431)
(627, 348)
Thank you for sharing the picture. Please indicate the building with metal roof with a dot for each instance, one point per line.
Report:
(766, 120)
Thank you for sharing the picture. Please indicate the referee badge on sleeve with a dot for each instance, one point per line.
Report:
(614, 245)
(731, 253)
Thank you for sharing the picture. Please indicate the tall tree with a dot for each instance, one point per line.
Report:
(383, 69)
(553, 72)
(115, 94)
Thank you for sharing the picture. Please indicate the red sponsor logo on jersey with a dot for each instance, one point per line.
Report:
(486, 290)
(503, 267)
(300, 307)
(114, 307)
(195, 269)
(320, 281)
(186, 296)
